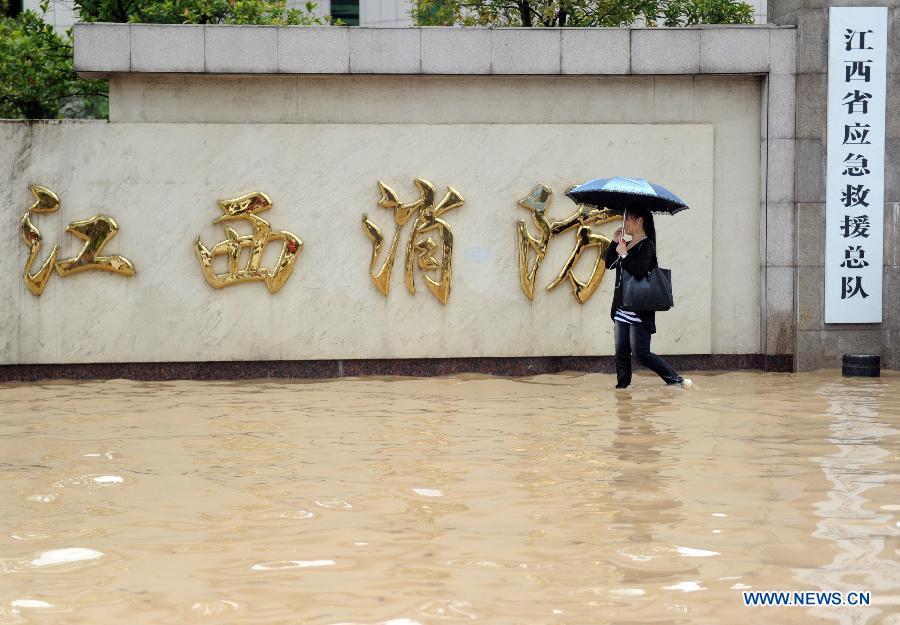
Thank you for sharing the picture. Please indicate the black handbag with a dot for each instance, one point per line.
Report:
(652, 292)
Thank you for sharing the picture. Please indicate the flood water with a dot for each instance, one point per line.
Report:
(551, 499)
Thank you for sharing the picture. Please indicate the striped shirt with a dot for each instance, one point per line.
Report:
(626, 316)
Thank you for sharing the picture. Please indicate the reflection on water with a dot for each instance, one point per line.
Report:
(867, 536)
(552, 499)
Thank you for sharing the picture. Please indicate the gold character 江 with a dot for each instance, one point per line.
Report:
(96, 232)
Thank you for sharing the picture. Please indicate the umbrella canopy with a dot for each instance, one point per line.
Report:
(618, 193)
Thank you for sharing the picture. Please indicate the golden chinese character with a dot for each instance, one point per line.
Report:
(584, 217)
(96, 232)
(246, 208)
(427, 220)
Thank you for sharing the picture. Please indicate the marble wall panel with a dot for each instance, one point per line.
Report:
(161, 183)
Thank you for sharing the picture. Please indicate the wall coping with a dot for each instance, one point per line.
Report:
(103, 49)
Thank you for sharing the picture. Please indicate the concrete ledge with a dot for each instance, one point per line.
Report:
(526, 51)
(163, 47)
(665, 51)
(596, 51)
(241, 49)
(456, 51)
(734, 50)
(385, 51)
(783, 51)
(313, 50)
(103, 49)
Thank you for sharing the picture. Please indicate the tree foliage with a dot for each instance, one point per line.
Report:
(268, 12)
(37, 74)
(586, 13)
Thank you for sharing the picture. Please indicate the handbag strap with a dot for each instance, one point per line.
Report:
(621, 268)
(649, 273)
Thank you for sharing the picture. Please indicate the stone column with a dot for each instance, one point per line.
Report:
(819, 345)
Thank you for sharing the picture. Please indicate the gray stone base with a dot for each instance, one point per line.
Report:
(310, 369)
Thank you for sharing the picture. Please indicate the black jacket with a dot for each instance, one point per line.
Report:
(638, 262)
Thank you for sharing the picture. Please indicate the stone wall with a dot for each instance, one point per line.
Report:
(315, 116)
(160, 182)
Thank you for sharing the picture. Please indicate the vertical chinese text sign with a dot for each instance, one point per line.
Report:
(854, 201)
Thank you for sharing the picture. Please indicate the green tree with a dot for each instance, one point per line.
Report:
(580, 12)
(10, 8)
(270, 12)
(37, 74)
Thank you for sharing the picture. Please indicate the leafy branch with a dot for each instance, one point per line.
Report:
(584, 13)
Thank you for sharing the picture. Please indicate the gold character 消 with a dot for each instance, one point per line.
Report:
(420, 251)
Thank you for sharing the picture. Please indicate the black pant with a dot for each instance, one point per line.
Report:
(635, 338)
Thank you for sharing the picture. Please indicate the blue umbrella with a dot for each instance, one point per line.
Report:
(618, 193)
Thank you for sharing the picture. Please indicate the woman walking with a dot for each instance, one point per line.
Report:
(634, 328)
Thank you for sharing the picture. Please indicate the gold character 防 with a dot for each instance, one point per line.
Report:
(538, 201)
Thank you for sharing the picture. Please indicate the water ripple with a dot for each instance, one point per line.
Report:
(282, 565)
(400, 501)
(66, 556)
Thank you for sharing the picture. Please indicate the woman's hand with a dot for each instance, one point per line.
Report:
(621, 248)
(617, 235)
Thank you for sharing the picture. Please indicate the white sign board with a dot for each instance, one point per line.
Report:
(854, 202)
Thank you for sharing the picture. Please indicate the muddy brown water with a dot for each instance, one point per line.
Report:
(551, 499)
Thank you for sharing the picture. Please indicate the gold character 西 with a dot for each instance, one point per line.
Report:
(246, 208)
